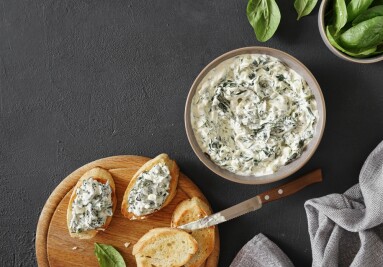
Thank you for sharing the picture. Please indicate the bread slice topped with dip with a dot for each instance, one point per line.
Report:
(191, 210)
(92, 204)
(164, 247)
(151, 188)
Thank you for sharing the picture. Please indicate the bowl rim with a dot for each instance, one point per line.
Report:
(321, 26)
(288, 169)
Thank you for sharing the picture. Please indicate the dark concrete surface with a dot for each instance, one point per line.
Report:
(86, 79)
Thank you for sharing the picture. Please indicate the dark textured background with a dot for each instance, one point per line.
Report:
(86, 79)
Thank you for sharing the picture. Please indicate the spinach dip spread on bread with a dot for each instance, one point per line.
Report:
(253, 114)
(91, 207)
(150, 190)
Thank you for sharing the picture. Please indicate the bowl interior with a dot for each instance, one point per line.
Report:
(322, 30)
(286, 170)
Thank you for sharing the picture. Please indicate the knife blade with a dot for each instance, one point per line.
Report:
(256, 202)
(251, 204)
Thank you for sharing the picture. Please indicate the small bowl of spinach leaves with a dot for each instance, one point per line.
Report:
(353, 29)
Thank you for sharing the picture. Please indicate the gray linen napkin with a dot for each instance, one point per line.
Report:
(261, 252)
(347, 229)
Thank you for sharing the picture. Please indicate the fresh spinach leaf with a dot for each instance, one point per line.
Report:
(340, 11)
(356, 7)
(108, 256)
(264, 16)
(304, 7)
(369, 14)
(366, 34)
(360, 53)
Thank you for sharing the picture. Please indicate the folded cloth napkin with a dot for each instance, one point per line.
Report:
(261, 252)
(347, 229)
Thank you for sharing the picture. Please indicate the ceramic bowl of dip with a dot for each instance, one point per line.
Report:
(289, 63)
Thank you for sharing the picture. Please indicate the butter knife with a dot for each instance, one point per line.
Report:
(256, 202)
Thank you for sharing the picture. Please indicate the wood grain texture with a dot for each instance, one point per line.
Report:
(292, 187)
(54, 244)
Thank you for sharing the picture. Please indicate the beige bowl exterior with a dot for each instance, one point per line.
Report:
(322, 31)
(286, 170)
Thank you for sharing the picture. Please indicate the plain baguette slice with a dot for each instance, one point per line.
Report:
(162, 247)
(191, 210)
(102, 176)
(174, 173)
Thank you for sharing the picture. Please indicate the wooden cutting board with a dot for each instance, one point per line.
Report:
(54, 246)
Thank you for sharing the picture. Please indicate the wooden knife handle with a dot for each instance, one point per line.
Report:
(292, 187)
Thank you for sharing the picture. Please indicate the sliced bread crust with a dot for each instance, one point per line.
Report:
(103, 176)
(191, 210)
(174, 173)
(162, 247)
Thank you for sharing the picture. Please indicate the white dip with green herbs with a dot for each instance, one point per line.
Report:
(253, 114)
(150, 190)
(91, 207)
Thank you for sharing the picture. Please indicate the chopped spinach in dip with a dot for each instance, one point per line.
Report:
(92, 205)
(253, 114)
(150, 190)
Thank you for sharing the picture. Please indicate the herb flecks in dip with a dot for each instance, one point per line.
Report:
(253, 114)
(150, 190)
(91, 207)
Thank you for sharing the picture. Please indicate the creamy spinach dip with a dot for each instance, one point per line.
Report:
(92, 205)
(150, 190)
(253, 114)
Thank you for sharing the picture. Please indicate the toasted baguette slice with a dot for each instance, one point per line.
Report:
(191, 210)
(102, 176)
(174, 173)
(162, 247)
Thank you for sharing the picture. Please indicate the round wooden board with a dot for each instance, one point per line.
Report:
(54, 246)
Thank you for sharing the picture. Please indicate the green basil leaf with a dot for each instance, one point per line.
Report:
(108, 256)
(369, 14)
(340, 11)
(360, 53)
(304, 7)
(264, 16)
(366, 34)
(356, 7)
